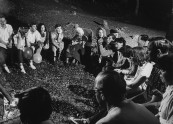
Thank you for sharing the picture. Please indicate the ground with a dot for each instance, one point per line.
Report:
(70, 86)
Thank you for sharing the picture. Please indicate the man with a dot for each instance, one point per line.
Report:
(6, 32)
(110, 89)
(33, 39)
(57, 43)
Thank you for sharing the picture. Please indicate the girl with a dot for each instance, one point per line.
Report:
(19, 41)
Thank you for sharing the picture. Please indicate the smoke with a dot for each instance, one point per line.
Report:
(5, 7)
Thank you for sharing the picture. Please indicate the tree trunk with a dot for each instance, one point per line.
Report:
(137, 8)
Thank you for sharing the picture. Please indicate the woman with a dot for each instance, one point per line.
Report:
(44, 38)
(76, 49)
(19, 41)
(165, 110)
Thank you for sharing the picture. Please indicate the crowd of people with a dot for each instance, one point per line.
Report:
(132, 84)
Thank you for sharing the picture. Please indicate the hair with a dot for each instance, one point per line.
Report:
(113, 86)
(39, 27)
(97, 32)
(80, 31)
(144, 37)
(113, 31)
(34, 105)
(32, 23)
(57, 25)
(159, 43)
(112, 35)
(121, 40)
(139, 55)
(166, 64)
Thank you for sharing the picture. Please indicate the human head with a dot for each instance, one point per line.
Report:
(114, 32)
(58, 28)
(158, 46)
(79, 31)
(166, 65)
(143, 40)
(34, 105)
(3, 21)
(100, 33)
(110, 37)
(33, 27)
(41, 27)
(110, 87)
(120, 42)
(139, 55)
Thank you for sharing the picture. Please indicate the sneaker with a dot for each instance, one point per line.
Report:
(22, 69)
(32, 66)
(6, 69)
(54, 59)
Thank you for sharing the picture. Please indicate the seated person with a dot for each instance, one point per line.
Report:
(110, 89)
(143, 40)
(6, 32)
(35, 106)
(57, 43)
(19, 41)
(33, 40)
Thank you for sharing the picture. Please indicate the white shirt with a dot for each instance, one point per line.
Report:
(33, 37)
(5, 34)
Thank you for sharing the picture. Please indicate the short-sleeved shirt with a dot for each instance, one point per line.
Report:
(5, 34)
(166, 107)
(33, 37)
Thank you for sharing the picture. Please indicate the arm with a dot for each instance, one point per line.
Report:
(53, 38)
(4, 92)
(137, 82)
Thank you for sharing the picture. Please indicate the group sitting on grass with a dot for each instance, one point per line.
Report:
(133, 84)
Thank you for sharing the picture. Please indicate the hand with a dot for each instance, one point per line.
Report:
(9, 45)
(118, 70)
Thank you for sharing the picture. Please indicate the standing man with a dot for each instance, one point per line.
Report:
(33, 40)
(6, 32)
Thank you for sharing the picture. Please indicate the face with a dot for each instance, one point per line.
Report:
(98, 91)
(42, 28)
(100, 33)
(33, 28)
(118, 45)
(3, 22)
(58, 30)
(109, 39)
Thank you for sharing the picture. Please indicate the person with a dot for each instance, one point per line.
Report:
(110, 88)
(44, 38)
(165, 115)
(33, 40)
(6, 32)
(143, 40)
(114, 32)
(57, 41)
(19, 41)
(35, 106)
(76, 49)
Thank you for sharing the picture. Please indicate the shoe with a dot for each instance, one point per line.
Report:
(22, 69)
(6, 69)
(54, 59)
(32, 66)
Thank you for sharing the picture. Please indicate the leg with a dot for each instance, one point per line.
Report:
(54, 49)
(31, 61)
(20, 57)
(4, 56)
